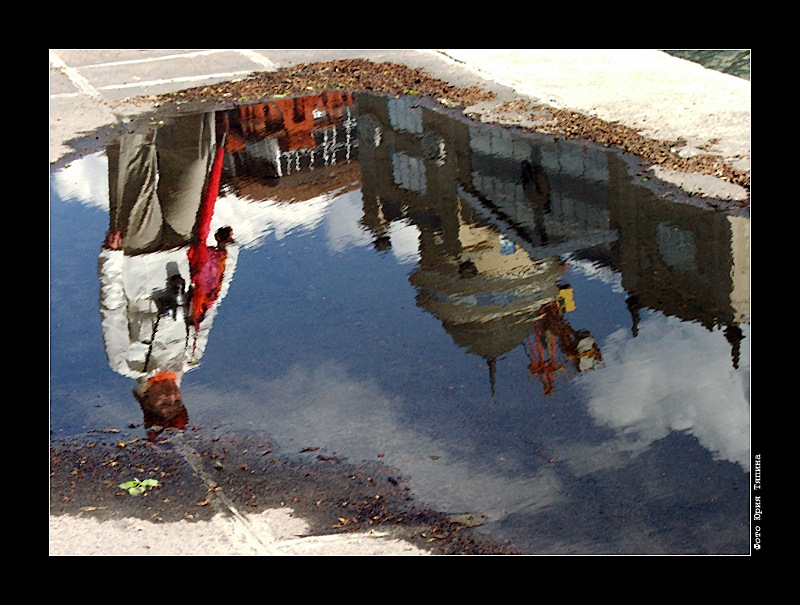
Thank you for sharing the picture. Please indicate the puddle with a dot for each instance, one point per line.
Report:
(521, 326)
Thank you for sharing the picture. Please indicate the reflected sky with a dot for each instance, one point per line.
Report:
(326, 339)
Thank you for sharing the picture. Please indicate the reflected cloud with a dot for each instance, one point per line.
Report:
(594, 270)
(339, 216)
(404, 236)
(675, 376)
(343, 228)
(325, 406)
(85, 181)
(254, 221)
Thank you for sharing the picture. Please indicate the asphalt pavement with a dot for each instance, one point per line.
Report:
(662, 96)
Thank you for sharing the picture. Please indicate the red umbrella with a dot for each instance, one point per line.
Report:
(210, 198)
(206, 264)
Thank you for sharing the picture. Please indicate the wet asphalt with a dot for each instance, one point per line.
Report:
(663, 96)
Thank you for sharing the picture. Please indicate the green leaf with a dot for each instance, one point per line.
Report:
(136, 487)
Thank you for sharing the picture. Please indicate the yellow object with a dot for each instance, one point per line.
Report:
(566, 300)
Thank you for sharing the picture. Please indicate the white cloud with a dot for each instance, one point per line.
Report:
(325, 406)
(85, 181)
(675, 376)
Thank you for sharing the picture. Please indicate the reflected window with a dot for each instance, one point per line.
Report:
(676, 246)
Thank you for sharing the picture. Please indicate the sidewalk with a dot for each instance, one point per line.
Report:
(664, 97)
(208, 525)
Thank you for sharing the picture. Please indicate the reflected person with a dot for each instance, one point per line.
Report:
(536, 186)
(155, 262)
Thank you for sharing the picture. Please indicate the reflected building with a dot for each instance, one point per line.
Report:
(496, 210)
(552, 198)
(291, 149)
(681, 260)
(480, 216)
(677, 259)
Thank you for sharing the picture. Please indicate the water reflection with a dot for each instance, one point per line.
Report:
(515, 322)
(160, 280)
(497, 214)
